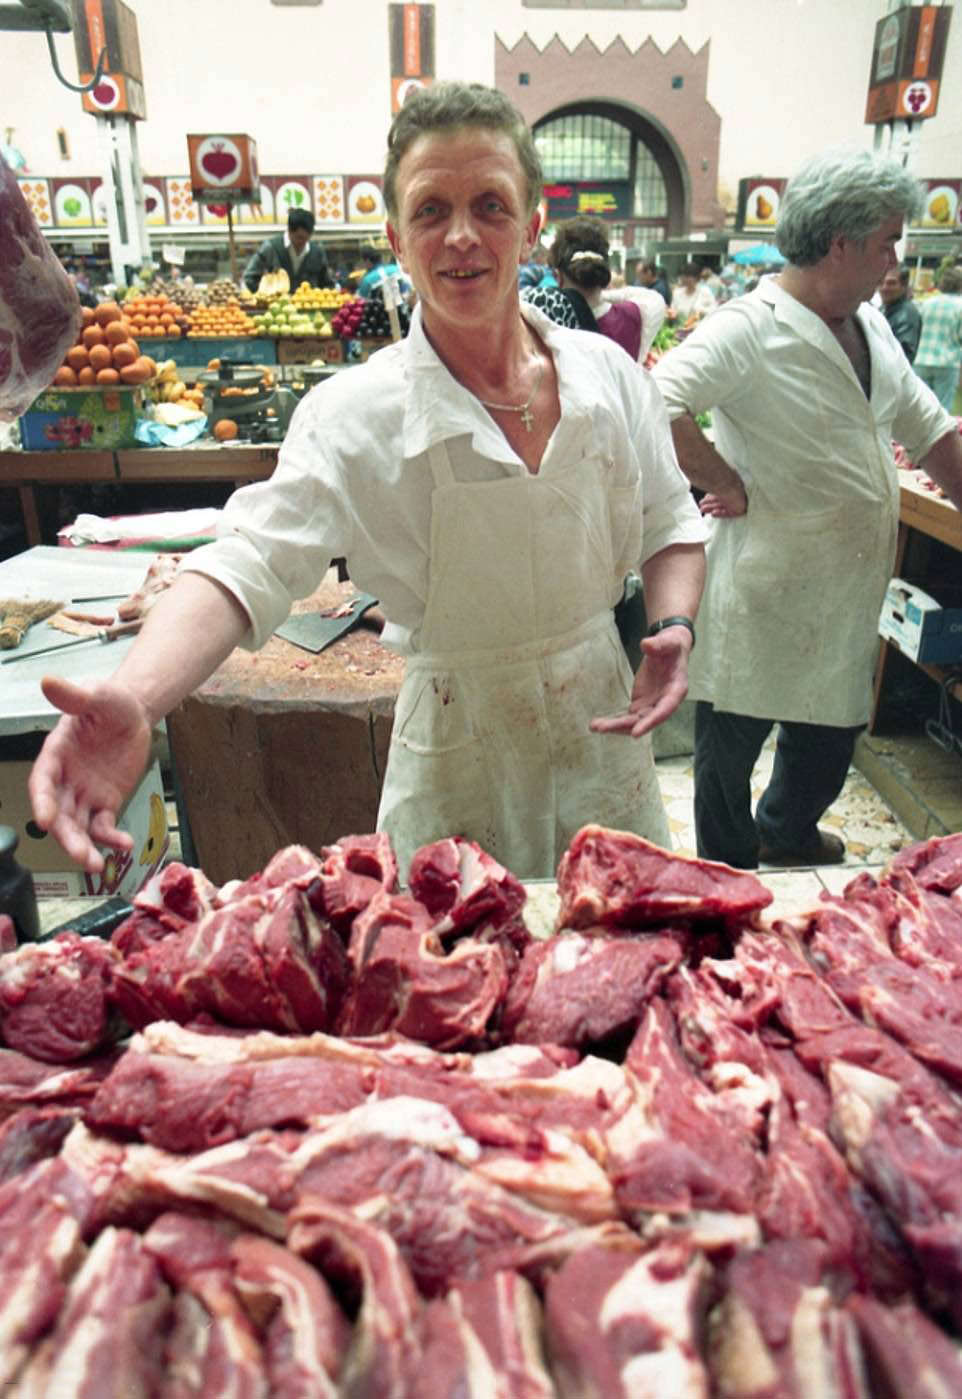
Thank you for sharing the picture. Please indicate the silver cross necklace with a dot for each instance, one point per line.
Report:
(527, 417)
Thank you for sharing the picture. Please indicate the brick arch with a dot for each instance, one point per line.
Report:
(678, 122)
(659, 141)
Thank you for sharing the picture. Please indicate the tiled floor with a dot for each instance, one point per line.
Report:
(872, 833)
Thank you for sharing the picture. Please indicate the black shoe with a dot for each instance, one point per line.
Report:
(826, 849)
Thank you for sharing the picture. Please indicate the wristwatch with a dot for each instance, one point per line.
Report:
(656, 627)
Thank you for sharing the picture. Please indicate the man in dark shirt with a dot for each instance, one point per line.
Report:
(900, 311)
(651, 275)
(302, 260)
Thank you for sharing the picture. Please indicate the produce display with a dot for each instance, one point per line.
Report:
(366, 1142)
(168, 387)
(105, 352)
(156, 316)
(367, 318)
(220, 319)
(39, 307)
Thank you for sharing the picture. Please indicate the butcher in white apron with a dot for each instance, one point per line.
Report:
(807, 388)
(491, 479)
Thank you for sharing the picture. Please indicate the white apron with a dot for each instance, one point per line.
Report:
(518, 652)
(788, 624)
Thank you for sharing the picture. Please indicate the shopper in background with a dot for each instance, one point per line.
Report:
(807, 388)
(939, 355)
(584, 296)
(536, 272)
(377, 270)
(651, 275)
(491, 478)
(691, 299)
(900, 310)
(302, 260)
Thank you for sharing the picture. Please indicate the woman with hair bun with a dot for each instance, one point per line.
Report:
(584, 297)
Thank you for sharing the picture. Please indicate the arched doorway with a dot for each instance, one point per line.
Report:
(610, 145)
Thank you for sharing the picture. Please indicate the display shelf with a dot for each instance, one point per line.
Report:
(195, 352)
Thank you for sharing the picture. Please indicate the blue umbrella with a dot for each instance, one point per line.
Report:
(759, 255)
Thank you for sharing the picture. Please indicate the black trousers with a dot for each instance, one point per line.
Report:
(811, 764)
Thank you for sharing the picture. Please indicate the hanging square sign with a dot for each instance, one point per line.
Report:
(223, 168)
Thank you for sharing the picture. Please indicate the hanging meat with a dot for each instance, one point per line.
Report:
(39, 307)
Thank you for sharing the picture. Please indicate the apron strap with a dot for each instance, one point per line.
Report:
(440, 461)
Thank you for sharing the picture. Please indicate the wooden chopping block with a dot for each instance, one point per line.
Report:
(282, 747)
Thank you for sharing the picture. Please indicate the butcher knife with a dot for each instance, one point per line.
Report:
(99, 922)
(313, 631)
(104, 635)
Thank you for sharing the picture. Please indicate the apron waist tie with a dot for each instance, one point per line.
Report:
(519, 654)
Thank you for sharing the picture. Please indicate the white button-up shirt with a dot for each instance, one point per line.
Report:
(788, 622)
(353, 478)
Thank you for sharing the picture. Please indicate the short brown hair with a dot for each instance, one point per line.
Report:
(448, 106)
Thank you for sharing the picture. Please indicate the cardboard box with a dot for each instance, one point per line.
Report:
(923, 628)
(145, 817)
(82, 418)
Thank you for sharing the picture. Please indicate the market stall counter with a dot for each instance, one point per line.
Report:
(30, 473)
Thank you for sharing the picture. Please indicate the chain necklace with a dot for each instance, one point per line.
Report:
(527, 417)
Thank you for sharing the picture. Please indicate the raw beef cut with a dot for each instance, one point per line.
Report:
(579, 991)
(614, 879)
(194, 1256)
(31, 1135)
(383, 1358)
(467, 890)
(353, 871)
(171, 899)
(405, 981)
(44, 1215)
(906, 1355)
(305, 1333)
(778, 1334)
(39, 306)
(624, 1324)
(53, 997)
(8, 933)
(935, 863)
(109, 1334)
(504, 1354)
(264, 960)
(26, 1082)
(681, 1151)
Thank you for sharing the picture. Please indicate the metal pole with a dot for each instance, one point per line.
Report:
(230, 242)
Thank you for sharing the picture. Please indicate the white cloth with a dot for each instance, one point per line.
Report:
(692, 303)
(296, 257)
(354, 479)
(491, 735)
(650, 303)
(789, 619)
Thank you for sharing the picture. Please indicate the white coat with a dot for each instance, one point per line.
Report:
(788, 625)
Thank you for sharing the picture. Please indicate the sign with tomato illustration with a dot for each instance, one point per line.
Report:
(223, 168)
(109, 27)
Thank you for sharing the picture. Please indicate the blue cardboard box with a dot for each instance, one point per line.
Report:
(96, 417)
(922, 627)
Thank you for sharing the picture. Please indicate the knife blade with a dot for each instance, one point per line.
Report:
(104, 635)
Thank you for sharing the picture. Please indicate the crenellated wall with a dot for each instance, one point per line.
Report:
(664, 91)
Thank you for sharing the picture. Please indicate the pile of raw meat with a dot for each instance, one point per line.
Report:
(371, 1143)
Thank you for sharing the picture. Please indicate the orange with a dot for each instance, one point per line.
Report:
(116, 332)
(106, 312)
(108, 376)
(93, 335)
(225, 430)
(65, 378)
(86, 376)
(124, 354)
(100, 356)
(77, 357)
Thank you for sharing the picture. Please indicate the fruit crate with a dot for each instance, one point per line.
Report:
(89, 418)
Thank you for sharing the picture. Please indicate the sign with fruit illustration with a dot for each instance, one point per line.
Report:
(71, 204)
(907, 60)
(365, 203)
(223, 168)
(758, 199)
(941, 205)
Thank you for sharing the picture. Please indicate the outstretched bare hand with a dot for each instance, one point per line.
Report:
(88, 767)
(661, 683)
